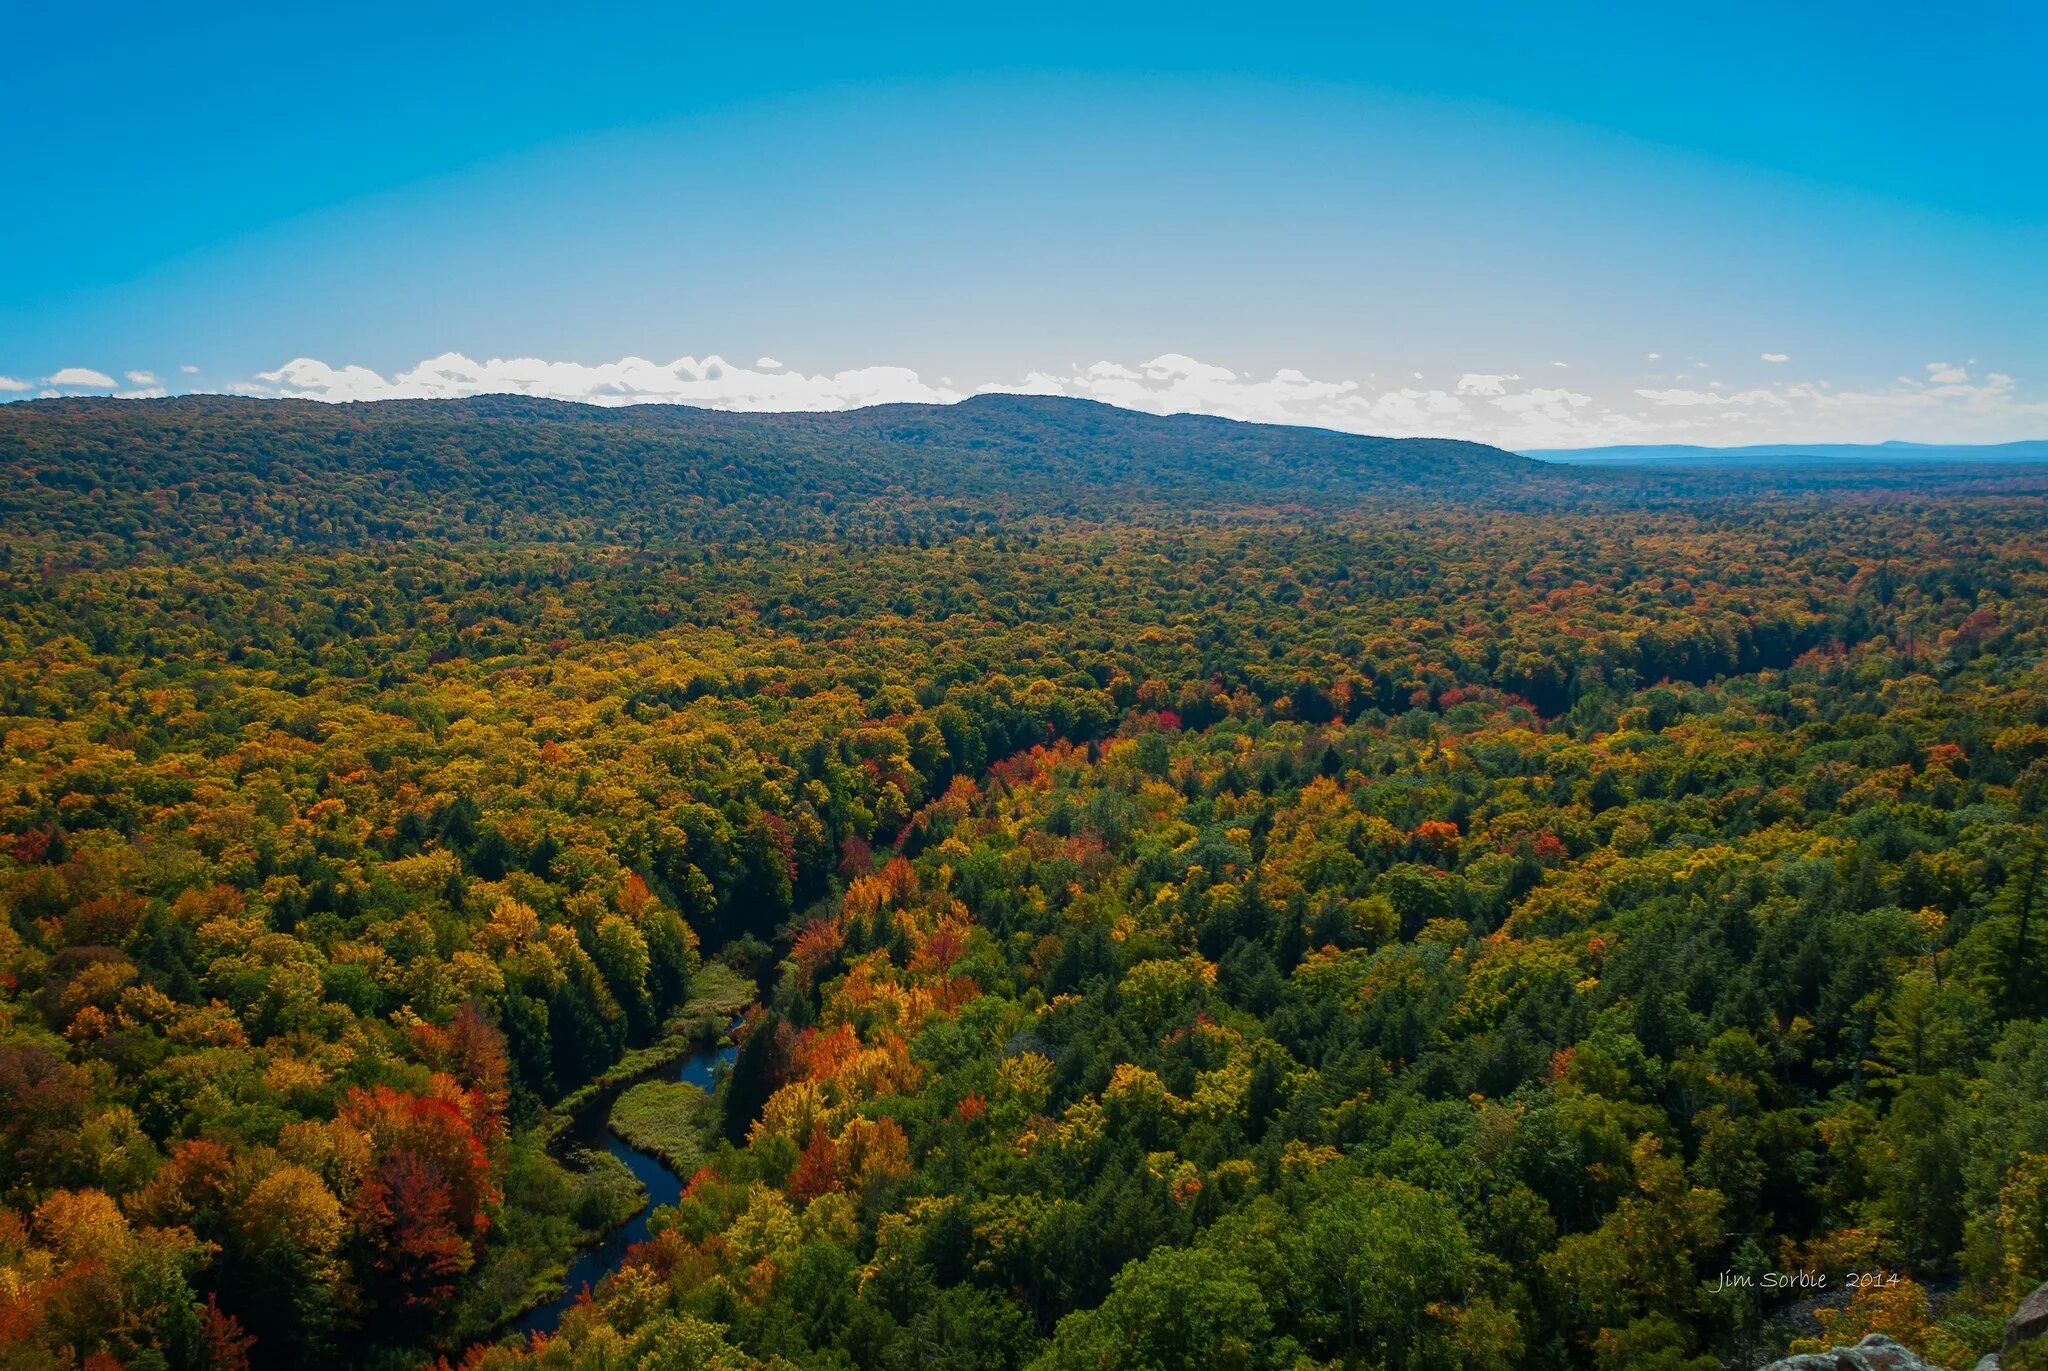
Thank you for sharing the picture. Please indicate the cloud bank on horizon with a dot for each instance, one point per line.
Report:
(1945, 401)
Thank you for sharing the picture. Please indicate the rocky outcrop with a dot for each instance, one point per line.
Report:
(2029, 1321)
(1879, 1353)
(1875, 1353)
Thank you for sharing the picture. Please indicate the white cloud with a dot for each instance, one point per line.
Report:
(767, 364)
(1560, 364)
(9, 383)
(140, 378)
(1655, 356)
(1498, 408)
(1680, 397)
(1482, 405)
(81, 376)
(1941, 373)
(1684, 399)
(189, 369)
(1776, 357)
(1554, 403)
(713, 382)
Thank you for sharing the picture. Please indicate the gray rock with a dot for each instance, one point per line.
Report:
(1879, 1353)
(2029, 1321)
(1875, 1353)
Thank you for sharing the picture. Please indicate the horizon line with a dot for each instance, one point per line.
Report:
(997, 392)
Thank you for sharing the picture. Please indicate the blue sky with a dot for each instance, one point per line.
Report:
(1533, 224)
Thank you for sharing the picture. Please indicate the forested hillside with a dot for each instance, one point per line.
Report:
(257, 475)
(1218, 895)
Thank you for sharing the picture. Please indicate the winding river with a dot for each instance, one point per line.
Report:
(589, 1129)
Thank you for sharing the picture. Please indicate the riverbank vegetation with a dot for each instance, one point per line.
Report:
(550, 1211)
(716, 996)
(1354, 926)
(672, 1120)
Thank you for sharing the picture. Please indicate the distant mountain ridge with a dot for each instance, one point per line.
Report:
(239, 473)
(1765, 454)
(1075, 437)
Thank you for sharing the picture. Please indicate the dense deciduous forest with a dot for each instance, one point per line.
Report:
(1212, 895)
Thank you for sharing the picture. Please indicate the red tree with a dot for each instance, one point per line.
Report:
(426, 1199)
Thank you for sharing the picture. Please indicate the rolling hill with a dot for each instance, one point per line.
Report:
(224, 471)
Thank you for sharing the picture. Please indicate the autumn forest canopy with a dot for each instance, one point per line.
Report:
(1200, 894)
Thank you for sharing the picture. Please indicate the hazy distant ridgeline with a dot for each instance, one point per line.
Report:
(231, 472)
(2033, 451)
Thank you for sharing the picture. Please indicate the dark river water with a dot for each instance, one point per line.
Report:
(663, 1187)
